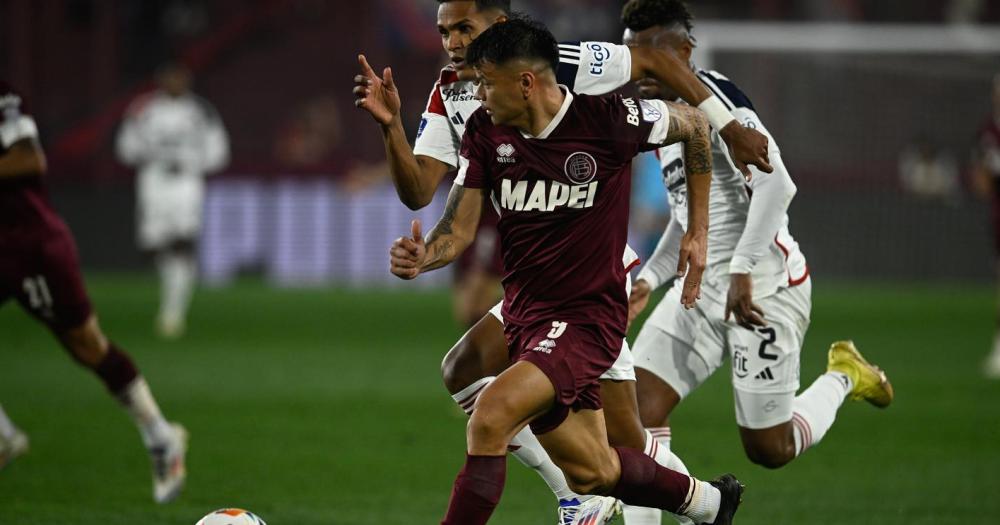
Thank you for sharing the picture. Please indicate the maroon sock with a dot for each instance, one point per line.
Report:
(116, 370)
(644, 483)
(477, 490)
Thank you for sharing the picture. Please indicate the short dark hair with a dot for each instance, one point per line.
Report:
(519, 37)
(483, 5)
(639, 15)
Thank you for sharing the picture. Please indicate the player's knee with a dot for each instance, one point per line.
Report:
(86, 344)
(458, 368)
(591, 479)
(771, 455)
(489, 429)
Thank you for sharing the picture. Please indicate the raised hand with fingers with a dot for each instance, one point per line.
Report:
(746, 146)
(377, 96)
(739, 302)
(691, 266)
(406, 257)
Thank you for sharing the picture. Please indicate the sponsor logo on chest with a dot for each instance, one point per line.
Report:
(545, 195)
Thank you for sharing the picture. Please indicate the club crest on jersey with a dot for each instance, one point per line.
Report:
(580, 168)
(505, 154)
(649, 113)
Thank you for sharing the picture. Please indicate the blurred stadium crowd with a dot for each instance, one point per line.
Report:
(278, 72)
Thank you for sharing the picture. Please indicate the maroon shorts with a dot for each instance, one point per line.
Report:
(42, 271)
(572, 356)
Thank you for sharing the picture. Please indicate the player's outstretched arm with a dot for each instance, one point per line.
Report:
(24, 158)
(416, 177)
(690, 126)
(659, 268)
(454, 232)
(746, 146)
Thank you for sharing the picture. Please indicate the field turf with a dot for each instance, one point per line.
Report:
(326, 407)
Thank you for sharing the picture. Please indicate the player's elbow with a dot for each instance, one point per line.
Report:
(415, 200)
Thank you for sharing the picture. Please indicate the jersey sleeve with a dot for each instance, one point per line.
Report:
(15, 121)
(636, 125)
(435, 137)
(594, 68)
(473, 157)
(772, 193)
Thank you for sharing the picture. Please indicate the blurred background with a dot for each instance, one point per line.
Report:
(309, 376)
(876, 109)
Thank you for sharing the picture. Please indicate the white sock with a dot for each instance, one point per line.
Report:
(704, 502)
(814, 410)
(139, 403)
(7, 427)
(177, 279)
(658, 448)
(525, 446)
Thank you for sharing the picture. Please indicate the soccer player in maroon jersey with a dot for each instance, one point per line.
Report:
(39, 268)
(585, 67)
(557, 168)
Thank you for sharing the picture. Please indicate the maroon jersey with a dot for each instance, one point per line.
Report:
(563, 199)
(38, 259)
(24, 205)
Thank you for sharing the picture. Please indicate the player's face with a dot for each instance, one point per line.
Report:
(666, 39)
(500, 91)
(459, 23)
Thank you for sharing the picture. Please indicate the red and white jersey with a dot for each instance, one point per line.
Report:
(589, 68)
(776, 264)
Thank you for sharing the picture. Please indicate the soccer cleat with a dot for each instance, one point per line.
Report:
(596, 510)
(169, 470)
(870, 382)
(732, 495)
(13, 447)
(170, 328)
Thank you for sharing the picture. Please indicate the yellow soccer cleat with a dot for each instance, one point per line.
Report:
(870, 382)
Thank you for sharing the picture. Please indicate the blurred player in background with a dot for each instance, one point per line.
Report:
(174, 139)
(585, 67)
(557, 168)
(756, 276)
(987, 183)
(39, 268)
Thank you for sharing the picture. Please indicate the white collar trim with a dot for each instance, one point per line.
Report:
(556, 120)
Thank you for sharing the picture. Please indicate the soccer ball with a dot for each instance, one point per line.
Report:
(231, 517)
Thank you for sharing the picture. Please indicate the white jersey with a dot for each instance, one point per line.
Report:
(590, 68)
(180, 135)
(773, 264)
(173, 142)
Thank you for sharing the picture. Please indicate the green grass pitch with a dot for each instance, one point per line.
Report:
(326, 407)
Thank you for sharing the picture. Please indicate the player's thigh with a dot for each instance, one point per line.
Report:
(48, 284)
(481, 352)
(765, 362)
(680, 347)
(579, 446)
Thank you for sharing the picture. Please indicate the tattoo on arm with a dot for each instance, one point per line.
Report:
(443, 226)
(690, 126)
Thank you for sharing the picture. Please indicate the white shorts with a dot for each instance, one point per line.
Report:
(168, 208)
(624, 367)
(684, 347)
